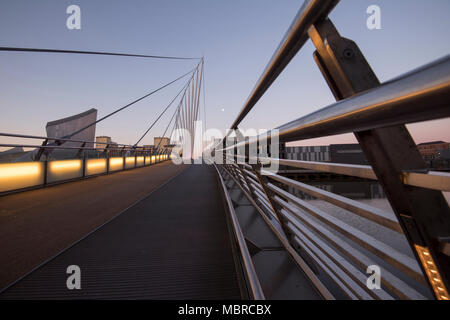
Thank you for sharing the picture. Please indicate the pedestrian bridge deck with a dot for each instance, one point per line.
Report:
(173, 244)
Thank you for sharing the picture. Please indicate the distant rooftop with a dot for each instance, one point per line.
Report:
(80, 115)
(12, 150)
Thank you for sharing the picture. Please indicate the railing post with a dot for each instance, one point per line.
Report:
(41, 151)
(106, 152)
(423, 214)
(224, 152)
(84, 165)
(45, 171)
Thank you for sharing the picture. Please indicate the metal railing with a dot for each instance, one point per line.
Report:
(254, 286)
(417, 96)
(81, 162)
(328, 239)
(376, 113)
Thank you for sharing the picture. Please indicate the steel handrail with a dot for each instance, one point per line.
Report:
(61, 147)
(373, 115)
(417, 96)
(290, 212)
(428, 179)
(4, 134)
(311, 12)
(251, 275)
(285, 242)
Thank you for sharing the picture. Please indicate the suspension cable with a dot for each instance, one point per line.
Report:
(164, 111)
(168, 125)
(204, 95)
(93, 53)
(128, 105)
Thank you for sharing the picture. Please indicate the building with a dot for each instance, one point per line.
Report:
(431, 150)
(161, 141)
(11, 154)
(444, 159)
(436, 154)
(319, 153)
(347, 153)
(66, 126)
(337, 153)
(103, 141)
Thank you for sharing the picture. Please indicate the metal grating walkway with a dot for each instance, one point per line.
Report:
(172, 245)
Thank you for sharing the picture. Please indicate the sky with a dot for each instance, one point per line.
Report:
(237, 39)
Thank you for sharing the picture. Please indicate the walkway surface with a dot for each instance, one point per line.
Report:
(36, 225)
(174, 244)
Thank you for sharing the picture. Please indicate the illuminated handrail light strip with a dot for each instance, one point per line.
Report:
(432, 273)
(65, 165)
(21, 175)
(15, 176)
(115, 164)
(64, 170)
(96, 164)
(115, 161)
(140, 161)
(16, 170)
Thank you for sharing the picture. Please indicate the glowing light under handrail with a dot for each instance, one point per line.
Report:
(95, 166)
(140, 161)
(64, 165)
(64, 170)
(21, 175)
(15, 176)
(115, 164)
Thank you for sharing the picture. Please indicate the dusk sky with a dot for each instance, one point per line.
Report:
(237, 39)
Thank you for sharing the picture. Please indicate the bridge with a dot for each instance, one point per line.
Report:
(141, 227)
